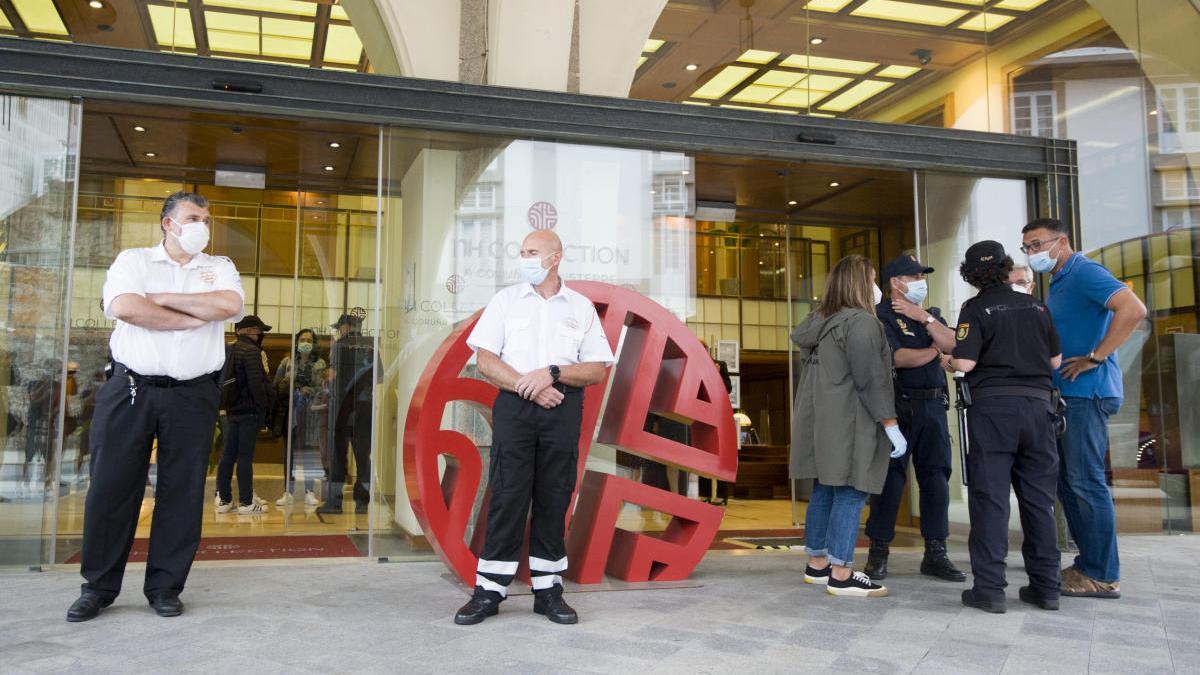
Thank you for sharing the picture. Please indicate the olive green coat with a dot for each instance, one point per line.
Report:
(845, 390)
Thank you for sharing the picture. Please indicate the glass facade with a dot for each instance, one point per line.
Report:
(414, 231)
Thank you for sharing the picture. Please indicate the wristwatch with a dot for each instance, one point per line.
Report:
(930, 319)
(1092, 357)
(554, 373)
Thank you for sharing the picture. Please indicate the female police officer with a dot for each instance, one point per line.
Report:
(1007, 346)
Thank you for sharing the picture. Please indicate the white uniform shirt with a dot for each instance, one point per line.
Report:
(529, 332)
(181, 354)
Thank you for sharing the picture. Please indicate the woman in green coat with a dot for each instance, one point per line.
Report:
(844, 428)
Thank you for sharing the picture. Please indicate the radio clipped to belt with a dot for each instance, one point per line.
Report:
(1059, 408)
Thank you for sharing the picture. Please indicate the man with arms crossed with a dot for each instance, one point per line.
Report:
(542, 344)
(169, 303)
(1094, 314)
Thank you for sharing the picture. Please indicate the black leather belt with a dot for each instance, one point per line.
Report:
(995, 392)
(120, 370)
(922, 394)
(566, 388)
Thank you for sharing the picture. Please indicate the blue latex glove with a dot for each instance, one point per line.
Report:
(899, 445)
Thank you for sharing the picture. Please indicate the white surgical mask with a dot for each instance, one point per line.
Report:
(1021, 289)
(532, 271)
(878, 294)
(917, 290)
(304, 347)
(194, 238)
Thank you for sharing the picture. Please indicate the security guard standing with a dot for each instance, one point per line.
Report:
(1009, 349)
(170, 303)
(918, 338)
(541, 343)
(352, 362)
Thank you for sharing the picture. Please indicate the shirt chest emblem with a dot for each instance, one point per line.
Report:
(571, 322)
(904, 328)
(207, 274)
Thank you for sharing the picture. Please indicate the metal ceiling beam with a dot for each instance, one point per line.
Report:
(70, 70)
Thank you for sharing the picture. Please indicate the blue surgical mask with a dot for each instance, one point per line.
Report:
(532, 271)
(1042, 262)
(917, 290)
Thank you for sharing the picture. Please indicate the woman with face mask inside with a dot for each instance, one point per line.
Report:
(844, 430)
(297, 380)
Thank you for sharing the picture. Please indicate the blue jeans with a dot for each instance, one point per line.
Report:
(1086, 499)
(831, 522)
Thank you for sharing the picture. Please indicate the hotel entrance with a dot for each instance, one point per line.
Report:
(408, 219)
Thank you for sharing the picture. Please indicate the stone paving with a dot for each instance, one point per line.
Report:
(752, 614)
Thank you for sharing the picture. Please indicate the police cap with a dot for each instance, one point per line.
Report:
(983, 255)
(902, 266)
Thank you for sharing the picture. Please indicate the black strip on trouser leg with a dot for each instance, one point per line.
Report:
(534, 454)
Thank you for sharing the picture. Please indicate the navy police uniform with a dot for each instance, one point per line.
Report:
(1012, 339)
(921, 411)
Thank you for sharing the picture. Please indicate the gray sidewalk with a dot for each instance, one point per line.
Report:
(753, 614)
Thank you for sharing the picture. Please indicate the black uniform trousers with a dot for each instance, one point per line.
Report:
(353, 431)
(534, 457)
(183, 418)
(1012, 443)
(923, 423)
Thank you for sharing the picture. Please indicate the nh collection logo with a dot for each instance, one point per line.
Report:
(662, 369)
(542, 216)
(455, 284)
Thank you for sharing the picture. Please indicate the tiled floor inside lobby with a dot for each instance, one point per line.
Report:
(751, 614)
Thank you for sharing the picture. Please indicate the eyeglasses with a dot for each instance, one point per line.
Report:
(1036, 245)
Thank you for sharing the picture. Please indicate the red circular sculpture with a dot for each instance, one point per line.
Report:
(662, 369)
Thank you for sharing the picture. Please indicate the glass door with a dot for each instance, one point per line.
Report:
(42, 392)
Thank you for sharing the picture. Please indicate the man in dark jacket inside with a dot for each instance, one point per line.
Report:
(244, 417)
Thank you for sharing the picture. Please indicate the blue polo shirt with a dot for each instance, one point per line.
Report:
(1079, 294)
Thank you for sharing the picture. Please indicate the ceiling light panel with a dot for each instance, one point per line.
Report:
(40, 16)
(799, 97)
(758, 56)
(908, 12)
(4, 24)
(342, 45)
(855, 95)
(172, 26)
(338, 13)
(236, 33)
(826, 5)
(287, 39)
(1020, 5)
(294, 7)
(756, 94)
(985, 23)
(899, 72)
(780, 78)
(824, 63)
(641, 60)
(652, 45)
(722, 82)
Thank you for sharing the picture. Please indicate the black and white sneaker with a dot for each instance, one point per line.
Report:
(816, 576)
(857, 584)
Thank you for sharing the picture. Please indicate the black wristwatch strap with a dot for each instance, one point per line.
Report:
(554, 373)
(1092, 357)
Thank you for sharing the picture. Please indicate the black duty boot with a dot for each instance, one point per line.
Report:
(877, 557)
(482, 605)
(937, 564)
(551, 604)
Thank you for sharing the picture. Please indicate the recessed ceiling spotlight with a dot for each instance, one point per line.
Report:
(691, 66)
(816, 40)
(335, 145)
(1153, 112)
(685, 172)
(328, 167)
(653, 192)
(834, 184)
(320, 201)
(151, 154)
(791, 202)
(96, 4)
(139, 128)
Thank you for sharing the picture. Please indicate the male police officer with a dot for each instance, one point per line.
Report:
(1009, 349)
(352, 361)
(542, 344)
(918, 339)
(169, 303)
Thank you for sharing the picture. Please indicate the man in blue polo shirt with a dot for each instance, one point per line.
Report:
(1094, 314)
